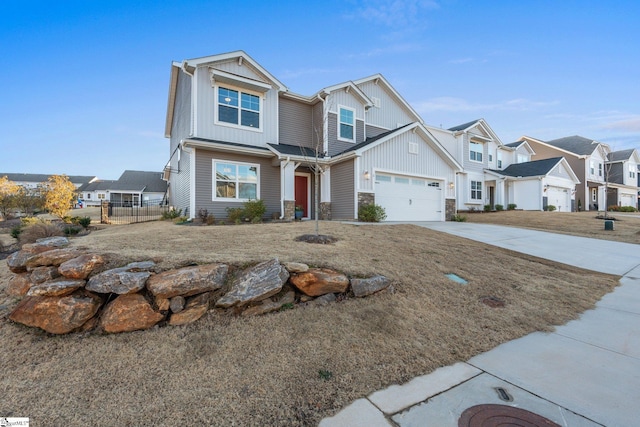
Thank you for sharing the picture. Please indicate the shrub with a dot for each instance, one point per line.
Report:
(616, 208)
(39, 230)
(235, 215)
(550, 208)
(499, 208)
(203, 214)
(15, 231)
(254, 209)
(511, 206)
(84, 221)
(71, 229)
(371, 213)
(172, 214)
(459, 218)
(210, 219)
(487, 208)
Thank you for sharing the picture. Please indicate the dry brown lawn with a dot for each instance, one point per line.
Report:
(585, 224)
(226, 370)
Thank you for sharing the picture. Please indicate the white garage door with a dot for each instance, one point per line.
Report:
(627, 200)
(559, 197)
(407, 198)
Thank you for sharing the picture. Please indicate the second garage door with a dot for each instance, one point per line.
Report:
(406, 198)
(559, 197)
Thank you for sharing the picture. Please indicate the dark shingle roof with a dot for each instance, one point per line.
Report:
(293, 150)
(617, 156)
(514, 144)
(464, 126)
(233, 144)
(575, 144)
(149, 182)
(38, 177)
(534, 168)
(97, 185)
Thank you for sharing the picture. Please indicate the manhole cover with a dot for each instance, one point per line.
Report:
(503, 416)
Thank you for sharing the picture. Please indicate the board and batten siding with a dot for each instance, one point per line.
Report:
(560, 171)
(391, 113)
(205, 126)
(336, 146)
(342, 190)
(269, 182)
(296, 123)
(393, 156)
(180, 128)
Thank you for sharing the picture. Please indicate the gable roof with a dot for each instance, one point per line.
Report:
(575, 144)
(534, 168)
(379, 78)
(514, 144)
(621, 155)
(97, 185)
(293, 150)
(464, 126)
(373, 139)
(150, 182)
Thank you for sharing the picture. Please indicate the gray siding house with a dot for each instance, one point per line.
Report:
(237, 133)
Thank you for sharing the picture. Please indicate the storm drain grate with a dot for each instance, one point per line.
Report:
(456, 278)
(501, 415)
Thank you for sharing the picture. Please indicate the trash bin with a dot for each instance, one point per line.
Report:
(608, 225)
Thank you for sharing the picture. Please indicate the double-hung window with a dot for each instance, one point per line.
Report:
(476, 190)
(237, 181)
(632, 171)
(475, 152)
(592, 167)
(346, 125)
(238, 108)
(599, 169)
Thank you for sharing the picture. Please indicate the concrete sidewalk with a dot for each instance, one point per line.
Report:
(586, 373)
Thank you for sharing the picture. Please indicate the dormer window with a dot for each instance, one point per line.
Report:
(475, 152)
(346, 127)
(238, 108)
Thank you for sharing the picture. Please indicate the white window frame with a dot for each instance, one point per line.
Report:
(499, 159)
(239, 107)
(592, 168)
(632, 171)
(475, 191)
(471, 151)
(340, 137)
(522, 158)
(599, 169)
(237, 181)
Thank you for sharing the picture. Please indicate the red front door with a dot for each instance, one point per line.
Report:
(302, 195)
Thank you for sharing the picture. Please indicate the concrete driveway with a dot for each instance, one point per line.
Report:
(585, 373)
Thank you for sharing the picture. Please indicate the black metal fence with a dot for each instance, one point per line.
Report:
(129, 213)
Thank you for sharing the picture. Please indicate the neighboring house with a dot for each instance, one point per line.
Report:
(133, 188)
(537, 184)
(623, 182)
(237, 133)
(33, 180)
(587, 159)
(502, 174)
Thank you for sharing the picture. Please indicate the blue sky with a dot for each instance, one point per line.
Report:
(85, 83)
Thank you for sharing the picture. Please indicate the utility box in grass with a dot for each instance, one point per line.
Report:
(608, 225)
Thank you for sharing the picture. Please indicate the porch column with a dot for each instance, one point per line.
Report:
(287, 191)
(500, 196)
(325, 194)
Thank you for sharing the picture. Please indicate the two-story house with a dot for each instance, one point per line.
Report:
(587, 159)
(237, 133)
(623, 182)
(501, 174)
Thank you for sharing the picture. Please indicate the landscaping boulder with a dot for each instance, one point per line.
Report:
(17, 261)
(56, 288)
(19, 285)
(177, 303)
(320, 281)
(323, 300)
(255, 284)
(130, 312)
(42, 274)
(80, 267)
(194, 309)
(188, 281)
(296, 267)
(123, 280)
(268, 305)
(364, 287)
(57, 315)
(52, 257)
